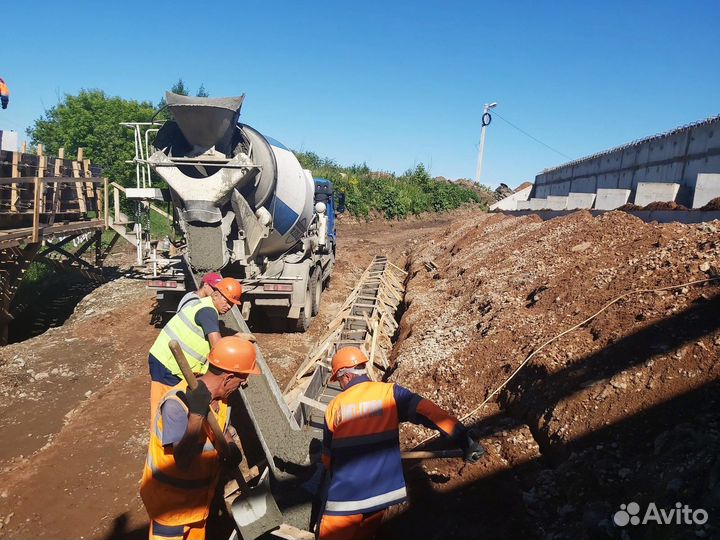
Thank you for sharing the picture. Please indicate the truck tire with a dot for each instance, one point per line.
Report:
(302, 323)
(316, 290)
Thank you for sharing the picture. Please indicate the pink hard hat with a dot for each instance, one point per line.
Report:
(212, 279)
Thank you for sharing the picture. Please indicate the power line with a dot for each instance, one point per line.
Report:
(528, 135)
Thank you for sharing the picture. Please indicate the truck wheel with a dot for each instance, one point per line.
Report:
(302, 323)
(316, 290)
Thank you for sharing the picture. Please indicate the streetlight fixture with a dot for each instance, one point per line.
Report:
(486, 119)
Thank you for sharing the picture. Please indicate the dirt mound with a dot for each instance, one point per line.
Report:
(712, 205)
(666, 205)
(622, 409)
(627, 207)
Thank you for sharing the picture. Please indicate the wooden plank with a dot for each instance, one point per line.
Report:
(78, 185)
(116, 201)
(403, 272)
(44, 180)
(373, 343)
(56, 186)
(289, 532)
(105, 202)
(36, 212)
(377, 334)
(14, 195)
(312, 403)
(42, 163)
(89, 186)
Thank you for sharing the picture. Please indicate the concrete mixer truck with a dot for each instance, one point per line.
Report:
(245, 207)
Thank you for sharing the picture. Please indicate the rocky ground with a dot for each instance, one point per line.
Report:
(622, 409)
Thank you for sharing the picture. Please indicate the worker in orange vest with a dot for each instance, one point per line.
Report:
(361, 446)
(182, 467)
(4, 94)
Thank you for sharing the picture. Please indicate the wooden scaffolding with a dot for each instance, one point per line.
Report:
(52, 210)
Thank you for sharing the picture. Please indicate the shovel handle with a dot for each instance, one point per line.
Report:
(434, 454)
(219, 441)
(442, 454)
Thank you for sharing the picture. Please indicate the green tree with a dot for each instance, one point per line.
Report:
(202, 92)
(177, 88)
(91, 120)
(394, 196)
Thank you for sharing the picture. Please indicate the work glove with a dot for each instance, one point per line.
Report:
(472, 450)
(198, 400)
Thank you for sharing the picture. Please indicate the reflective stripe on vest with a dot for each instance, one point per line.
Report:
(384, 500)
(177, 496)
(183, 329)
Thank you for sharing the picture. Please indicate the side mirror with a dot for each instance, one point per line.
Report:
(340, 203)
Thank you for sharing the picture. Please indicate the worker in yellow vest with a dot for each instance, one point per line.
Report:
(196, 328)
(182, 466)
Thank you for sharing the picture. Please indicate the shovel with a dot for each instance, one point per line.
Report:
(255, 511)
(438, 454)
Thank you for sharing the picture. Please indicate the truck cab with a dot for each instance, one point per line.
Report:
(334, 204)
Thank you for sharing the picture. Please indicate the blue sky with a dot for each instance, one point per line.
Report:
(389, 83)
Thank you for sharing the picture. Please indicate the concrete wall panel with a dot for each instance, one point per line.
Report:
(707, 188)
(648, 192)
(677, 156)
(510, 202)
(578, 201)
(556, 203)
(610, 199)
(538, 204)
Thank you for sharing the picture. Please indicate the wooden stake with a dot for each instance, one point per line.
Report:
(14, 195)
(105, 202)
(82, 205)
(89, 186)
(56, 185)
(42, 162)
(36, 211)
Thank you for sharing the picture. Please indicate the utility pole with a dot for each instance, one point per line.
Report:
(486, 119)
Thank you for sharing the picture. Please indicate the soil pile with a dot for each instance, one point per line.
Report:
(714, 204)
(664, 205)
(622, 409)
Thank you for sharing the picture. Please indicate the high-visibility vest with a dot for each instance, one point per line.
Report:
(173, 496)
(183, 329)
(364, 454)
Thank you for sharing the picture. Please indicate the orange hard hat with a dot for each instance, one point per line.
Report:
(234, 354)
(230, 288)
(347, 357)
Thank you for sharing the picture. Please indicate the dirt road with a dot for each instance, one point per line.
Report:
(74, 400)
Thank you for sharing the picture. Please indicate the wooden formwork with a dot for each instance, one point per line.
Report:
(366, 320)
(52, 210)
